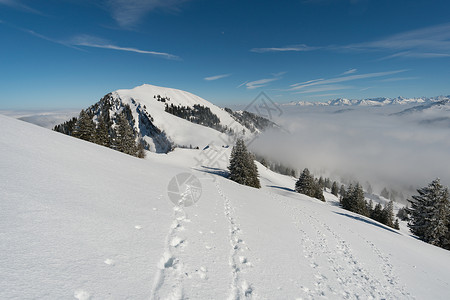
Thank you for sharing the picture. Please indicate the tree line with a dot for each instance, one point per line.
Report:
(198, 114)
(116, 133)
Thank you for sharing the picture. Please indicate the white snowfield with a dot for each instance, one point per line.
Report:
(81, 221)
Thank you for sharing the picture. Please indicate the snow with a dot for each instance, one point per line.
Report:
(81, 221)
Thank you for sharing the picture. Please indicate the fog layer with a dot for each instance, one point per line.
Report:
(370, 144)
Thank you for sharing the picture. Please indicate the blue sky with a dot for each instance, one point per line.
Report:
(69, 53)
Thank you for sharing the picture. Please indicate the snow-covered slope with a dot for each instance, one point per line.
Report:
(78, 220)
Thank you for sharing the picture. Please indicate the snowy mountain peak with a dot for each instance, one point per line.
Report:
(163, 118)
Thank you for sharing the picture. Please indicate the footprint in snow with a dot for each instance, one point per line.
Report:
(202, 273)
(176, 241)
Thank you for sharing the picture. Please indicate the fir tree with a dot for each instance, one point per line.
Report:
(321, 183)
(388, 214)
(263, 162)
(305, 184)
(102, 133)
(430, 213)
(370, 208)
(318, 191)
(141, 149)
(125, 141)
(377, 213)
(242, 167)
(341, 192)
(84, 127)
(334, 189)
(354, 200)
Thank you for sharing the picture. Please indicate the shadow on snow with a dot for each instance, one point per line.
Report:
(368, 221)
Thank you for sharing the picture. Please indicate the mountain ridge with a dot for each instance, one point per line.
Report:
(379, 101)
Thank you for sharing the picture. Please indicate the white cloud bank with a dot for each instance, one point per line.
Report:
(366, 143)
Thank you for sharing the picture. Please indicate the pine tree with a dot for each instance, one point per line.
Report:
(125, 141)
(370, 208)
(334, 189)
(141, 149)
(263, 162)
(84, 127)
(388, 214)
(346, 199)
(430, 213)
(321, 183)
(377, 213)
(305, 184)
(341, 192)
(385, 193)
(101, 133)
(242, 167)
(318, 191)
(354, 200)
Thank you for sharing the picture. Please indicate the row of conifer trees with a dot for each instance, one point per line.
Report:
(118, 135)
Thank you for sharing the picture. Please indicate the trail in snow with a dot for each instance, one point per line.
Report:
(240, 288)
(333, 261)
(168, 282)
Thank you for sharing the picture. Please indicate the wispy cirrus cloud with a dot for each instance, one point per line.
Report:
(429, 42)
(328, 82)
(90, 41)
(250, 85)
(351, 71)
(324, 88)
(128, 13)
(19, 6)
(216, 77)
(259, 83)
(95, 42)
(294, 48)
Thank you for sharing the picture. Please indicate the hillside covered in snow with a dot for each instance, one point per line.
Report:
(82, 221)
(165, 118)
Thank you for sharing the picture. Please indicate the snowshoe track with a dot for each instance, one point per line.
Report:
(240, 288)
(168, 282)
(319, 241)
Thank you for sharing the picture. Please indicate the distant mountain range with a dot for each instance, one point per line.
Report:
(382, 101)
